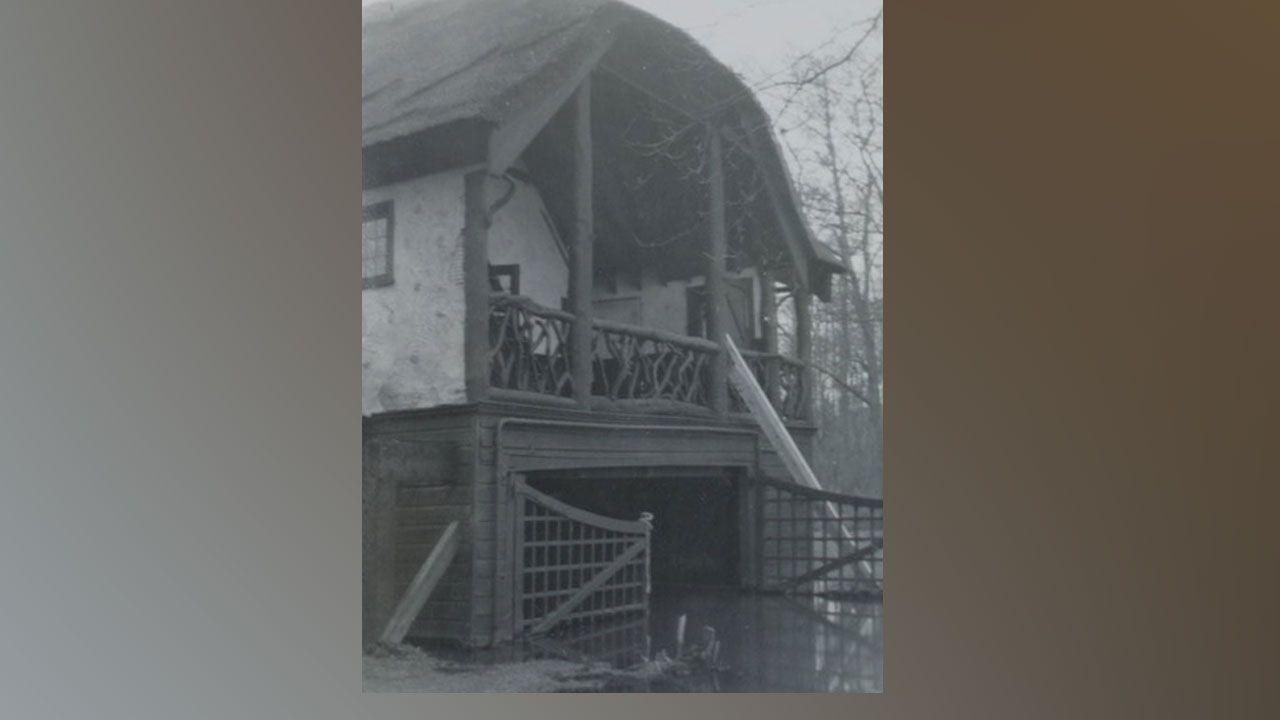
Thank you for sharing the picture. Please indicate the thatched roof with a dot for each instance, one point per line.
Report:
(428, 63)
(435, 64)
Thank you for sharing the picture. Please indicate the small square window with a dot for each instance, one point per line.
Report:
(377, 241)
(504, 279)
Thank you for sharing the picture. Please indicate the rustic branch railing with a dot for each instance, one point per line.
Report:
(530, 353)
(635, 363)
(529, 347)
(783, 380)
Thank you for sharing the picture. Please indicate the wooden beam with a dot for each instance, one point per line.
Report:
(422, 586)
(513, 136)
(475, 275)
(803, 300)
(769, 311)
(768, 419)
(717, 243)
(769, 321)
(581, 272)
(457, 144)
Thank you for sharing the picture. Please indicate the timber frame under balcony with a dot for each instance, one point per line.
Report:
(637, 368)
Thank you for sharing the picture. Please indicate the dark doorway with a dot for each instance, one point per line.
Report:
(695, 540)
(739, 298)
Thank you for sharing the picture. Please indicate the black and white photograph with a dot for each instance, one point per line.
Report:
(622, 346)
(635, 440)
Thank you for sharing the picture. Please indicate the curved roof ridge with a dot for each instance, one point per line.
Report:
(429, 63)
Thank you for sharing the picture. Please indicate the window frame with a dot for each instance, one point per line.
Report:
(511, 272)
(381, 211)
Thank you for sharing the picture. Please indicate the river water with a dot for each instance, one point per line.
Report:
(771, 643)
(767, 643)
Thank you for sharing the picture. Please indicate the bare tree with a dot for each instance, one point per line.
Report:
(827, 106)
(830, 117)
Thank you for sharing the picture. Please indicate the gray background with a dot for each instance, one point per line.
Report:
(1079, 418)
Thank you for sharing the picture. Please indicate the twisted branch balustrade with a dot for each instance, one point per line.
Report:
(634, 363)
(529, 347)
(529, 352)
(785, 388)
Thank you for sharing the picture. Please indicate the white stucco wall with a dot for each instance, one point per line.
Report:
(411, 345)
(657, 304)
(519, 235)
(412, 330)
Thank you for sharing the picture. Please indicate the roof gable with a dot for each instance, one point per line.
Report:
(444, 63)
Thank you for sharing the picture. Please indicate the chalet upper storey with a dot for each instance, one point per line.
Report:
(598, 200)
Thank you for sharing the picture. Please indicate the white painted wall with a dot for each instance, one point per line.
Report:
(411, 343)
(520, 235)
(657, 304)
(412, 330)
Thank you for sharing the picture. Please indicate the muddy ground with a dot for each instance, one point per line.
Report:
(412, 670)
(409, 669)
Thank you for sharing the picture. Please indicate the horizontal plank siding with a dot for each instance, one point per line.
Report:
(455, 463)
(427, 496)
(429, 460)
(431, 517)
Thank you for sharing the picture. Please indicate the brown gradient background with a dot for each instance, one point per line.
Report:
(1082, 349)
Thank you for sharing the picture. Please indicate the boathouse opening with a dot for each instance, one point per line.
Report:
(696, 537)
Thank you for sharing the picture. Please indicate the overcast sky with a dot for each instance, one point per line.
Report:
(758, 37)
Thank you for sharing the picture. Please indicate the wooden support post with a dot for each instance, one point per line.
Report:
(757, 488)
(769, 311)
(717, 241)
(748, 553)
(804, 348)
(769, 319)
(503, 571)
(379, 536)
(582, 270)
(475, 274)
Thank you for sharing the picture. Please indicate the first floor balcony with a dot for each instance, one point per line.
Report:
(531, 350)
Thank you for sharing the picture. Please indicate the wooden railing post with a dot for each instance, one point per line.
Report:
(475, 273)
(804, 350)
(582, 269)
(769, 319)
(716, 310)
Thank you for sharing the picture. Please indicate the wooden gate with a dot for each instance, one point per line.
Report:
(819, 542)
(573, 565)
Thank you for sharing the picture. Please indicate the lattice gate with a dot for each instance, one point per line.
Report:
(573, 566)
(820, 543)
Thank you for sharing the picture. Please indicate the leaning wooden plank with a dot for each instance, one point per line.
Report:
(423, 584)
(762, 410)
(745, 382)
